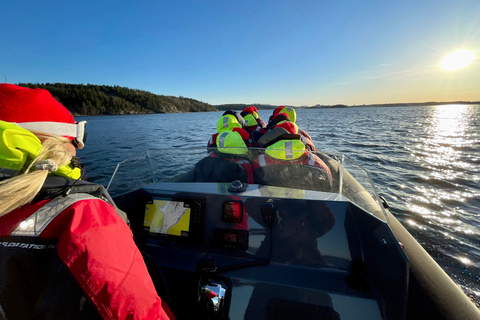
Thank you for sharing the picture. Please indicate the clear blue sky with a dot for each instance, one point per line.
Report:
(293, 52)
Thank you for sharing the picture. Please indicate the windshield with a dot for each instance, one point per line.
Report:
(315, 171)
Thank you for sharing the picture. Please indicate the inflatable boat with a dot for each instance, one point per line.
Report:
(221, 247)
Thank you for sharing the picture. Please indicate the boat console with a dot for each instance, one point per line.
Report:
(266, 253)
(217, 248)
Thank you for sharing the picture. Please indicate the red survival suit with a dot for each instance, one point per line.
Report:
(85, 233)
(287, 163)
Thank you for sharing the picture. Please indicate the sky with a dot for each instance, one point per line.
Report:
(284, 52)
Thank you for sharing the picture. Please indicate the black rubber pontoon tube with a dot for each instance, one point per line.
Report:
(432, 293)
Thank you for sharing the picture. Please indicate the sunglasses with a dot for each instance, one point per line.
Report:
(74, 130)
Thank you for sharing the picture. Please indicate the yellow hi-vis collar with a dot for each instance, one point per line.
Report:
(231, 142)
(227, 123)
(286, 149)
(250, 120)
(290, 112)
(19, 146)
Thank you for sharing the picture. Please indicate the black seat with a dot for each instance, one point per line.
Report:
(292, 174)
(222, 167)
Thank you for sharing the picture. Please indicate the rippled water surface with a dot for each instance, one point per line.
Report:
(424, 160)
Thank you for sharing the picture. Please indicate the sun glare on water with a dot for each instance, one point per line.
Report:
(457, 60)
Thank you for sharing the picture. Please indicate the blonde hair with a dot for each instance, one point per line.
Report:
(22, 189)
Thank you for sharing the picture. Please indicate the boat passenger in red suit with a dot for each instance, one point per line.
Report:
(287, 162)
(283, 113)
(228, 157)
(252, 120)
(255, 126)
(65, 250)
(231, 121)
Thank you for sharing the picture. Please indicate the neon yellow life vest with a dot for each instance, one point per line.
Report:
(227, 123)
(250, 120)
(292, 114)
(286, 149)
(19, 146)
(232, 143)
(280, 192)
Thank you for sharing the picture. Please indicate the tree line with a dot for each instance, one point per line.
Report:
(90, 100)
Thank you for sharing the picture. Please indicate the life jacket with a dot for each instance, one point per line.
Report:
(34, 283)
(40, 273)
(277, 119)
(249, 138)
(231, 121)
(18, 146)
(237, 116)
(254, 124)
(281, 118)
(292, 114)
(289, 111)
(286, 163)
(276, 134)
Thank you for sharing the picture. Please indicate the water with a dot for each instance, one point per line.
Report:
(424, 160)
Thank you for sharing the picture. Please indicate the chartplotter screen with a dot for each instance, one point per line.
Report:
(168, 217)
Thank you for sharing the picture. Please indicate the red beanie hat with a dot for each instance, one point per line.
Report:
(250, 109)
(289, 126)
(277, 110)
(19, 104)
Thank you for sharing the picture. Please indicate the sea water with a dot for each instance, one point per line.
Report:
(425, 160)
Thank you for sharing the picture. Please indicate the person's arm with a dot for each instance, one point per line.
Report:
(97, 247)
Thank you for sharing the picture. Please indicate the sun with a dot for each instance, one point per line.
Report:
(457, 60)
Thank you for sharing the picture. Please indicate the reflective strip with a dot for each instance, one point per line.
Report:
(288, 149)
(221, 140)
(261, 160)
(225, 122)
(76, 130)
(311, 159)
(39, 220)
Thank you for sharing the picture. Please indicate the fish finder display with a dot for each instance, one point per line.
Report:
(168, 217)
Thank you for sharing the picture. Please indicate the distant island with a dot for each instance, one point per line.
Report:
(91, 100)
(433, 103)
